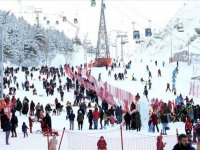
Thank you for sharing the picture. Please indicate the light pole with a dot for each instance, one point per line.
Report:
(122, 36)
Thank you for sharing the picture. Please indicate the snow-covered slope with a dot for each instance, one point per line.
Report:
(174, 36)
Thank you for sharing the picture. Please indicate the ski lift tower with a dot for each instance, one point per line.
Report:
(37, 12)
(102, 51)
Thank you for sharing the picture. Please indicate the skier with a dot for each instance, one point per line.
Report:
(101, 144)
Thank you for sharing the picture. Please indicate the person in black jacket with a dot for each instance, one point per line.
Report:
(101, 113)
(119, 113)
(47, 121)
(3, 119)
(127, 119)
(14, 124)
(32, 108)
(90, 118)
(183, 143)
(61, 95)
(164, 123)
(71, 119)
(19, 106)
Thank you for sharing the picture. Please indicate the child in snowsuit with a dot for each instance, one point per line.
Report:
(24, 129)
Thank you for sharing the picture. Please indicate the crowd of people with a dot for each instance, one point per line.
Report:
(97, 113)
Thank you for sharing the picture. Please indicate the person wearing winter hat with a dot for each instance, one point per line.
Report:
(101, 144)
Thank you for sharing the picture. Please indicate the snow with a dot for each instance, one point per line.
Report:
(86, 139)
(112, 134)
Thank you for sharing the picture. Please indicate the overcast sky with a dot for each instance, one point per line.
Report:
(119, 13)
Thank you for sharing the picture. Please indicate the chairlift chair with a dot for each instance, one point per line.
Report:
(57, 22)
(75, 20)
(148, 32)
(64, 19)
(180, 27)
(156, 36)
(136, 34)
(93, 3)
(48, 22)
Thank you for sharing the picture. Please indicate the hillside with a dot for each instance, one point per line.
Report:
(182, 29)
(31, 45)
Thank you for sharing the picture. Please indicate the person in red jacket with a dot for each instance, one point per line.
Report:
(101, 144)
(155, 121)
(96, 118)
(188, 127)
(30, 123)
(160, 144)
